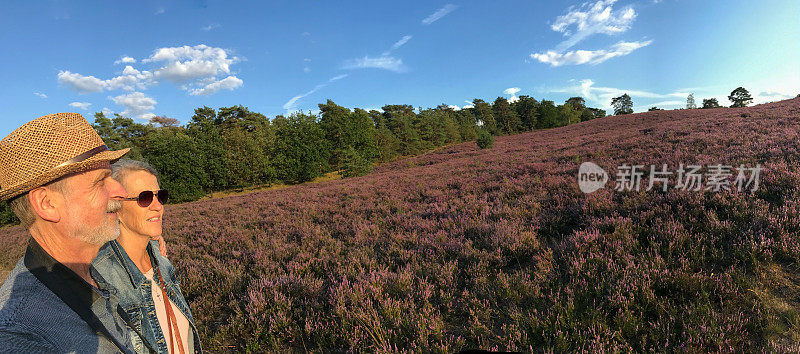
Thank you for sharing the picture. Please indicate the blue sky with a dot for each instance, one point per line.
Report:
(149, 58)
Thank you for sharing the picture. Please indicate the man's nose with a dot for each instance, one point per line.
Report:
(115, 189)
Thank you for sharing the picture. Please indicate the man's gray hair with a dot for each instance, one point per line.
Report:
(121, 168)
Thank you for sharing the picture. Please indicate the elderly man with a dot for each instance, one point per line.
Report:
(56, 172)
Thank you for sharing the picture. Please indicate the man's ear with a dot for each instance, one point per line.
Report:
(44, 202)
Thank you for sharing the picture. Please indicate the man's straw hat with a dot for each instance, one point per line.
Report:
(48, 148)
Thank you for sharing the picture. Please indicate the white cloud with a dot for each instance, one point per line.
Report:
(513, 92)
(770, 96)
(291, 104)
(583, 21)
(455, 108)
(136, 105)
(125, 60)
(107, 112)
(131, 79)
(397, 45)
(382, 62)
(160, 11)
(442, 12)
(40, 94)
(80, 83)
(592, 57)
(228, 83)
(82, 105)
(184, 64)
(211, 27)
(592, 18)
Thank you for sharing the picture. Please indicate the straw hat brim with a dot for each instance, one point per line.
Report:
(58, 172)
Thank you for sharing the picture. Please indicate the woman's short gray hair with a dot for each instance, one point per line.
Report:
(121, 168)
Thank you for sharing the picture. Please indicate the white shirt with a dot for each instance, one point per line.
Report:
(161, 312)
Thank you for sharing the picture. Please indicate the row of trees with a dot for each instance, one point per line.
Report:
(233, 147)
(739, 97)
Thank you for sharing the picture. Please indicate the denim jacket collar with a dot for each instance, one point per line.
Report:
(136, 276)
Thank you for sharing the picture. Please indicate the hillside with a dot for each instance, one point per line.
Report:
(499, 249)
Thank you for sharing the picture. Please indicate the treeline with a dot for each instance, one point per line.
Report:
(233, 147)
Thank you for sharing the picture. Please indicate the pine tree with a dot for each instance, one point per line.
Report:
(740, 97)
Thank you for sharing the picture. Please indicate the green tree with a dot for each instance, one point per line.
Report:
(121, 132)
(508, 121)
(449, 123)
(577, 102)
(247, 139)
(651, 109)
(353, 164)
(710, 103)
(335, 122)
(179, 159)
(598, 113)
(527, 110)
(388, 145)
(740, 97)
(206, 129)
(548, 115)
(586, 115)
(363, 134)
(483, 114)
(431, 131)
(378, 120)
(301, 150)
(467, 125)
(400, 120)
(622, 104)
(568, 115)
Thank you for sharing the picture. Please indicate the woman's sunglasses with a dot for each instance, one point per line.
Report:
(146, 198)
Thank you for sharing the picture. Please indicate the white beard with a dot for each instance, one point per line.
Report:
(101, 234)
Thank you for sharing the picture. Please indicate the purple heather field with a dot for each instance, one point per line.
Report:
(499, 249)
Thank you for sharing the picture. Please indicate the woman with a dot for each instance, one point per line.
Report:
(147, 286)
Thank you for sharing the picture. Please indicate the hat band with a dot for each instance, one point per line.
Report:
(85, 155)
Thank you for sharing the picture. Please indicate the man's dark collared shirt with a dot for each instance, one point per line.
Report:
(46, 307)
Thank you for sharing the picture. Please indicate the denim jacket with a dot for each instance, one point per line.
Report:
(135, 294)
(46, 308)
